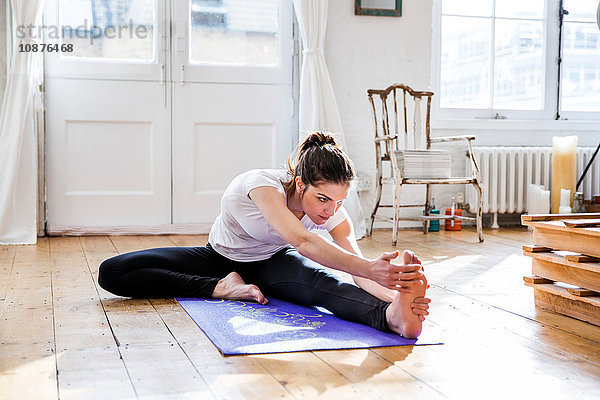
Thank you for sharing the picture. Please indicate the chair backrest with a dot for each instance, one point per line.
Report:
(407, 106)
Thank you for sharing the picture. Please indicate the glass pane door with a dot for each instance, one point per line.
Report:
(108, 115)
(234, 32)
(232, 98)
(118, 30)
(109, 39)
(233, 41)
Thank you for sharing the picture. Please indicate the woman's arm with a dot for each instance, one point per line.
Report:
(272, 205)
(343, 236)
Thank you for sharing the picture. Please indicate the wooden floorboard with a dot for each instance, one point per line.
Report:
(154, 360)
(63, 336)
(89, 361)
(27, 356)
(7, 257)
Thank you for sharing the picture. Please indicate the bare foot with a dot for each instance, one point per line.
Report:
(400, 317)
(233, 287)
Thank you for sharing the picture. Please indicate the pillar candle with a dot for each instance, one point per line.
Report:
(530, 199)
(564, 168)
(545, 202)
(537, 193)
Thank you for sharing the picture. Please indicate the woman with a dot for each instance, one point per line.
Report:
(262, 244)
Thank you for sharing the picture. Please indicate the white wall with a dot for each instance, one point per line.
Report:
(366, 52)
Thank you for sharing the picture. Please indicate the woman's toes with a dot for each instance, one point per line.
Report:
(407, 257)
(257, 294)
(262, 299)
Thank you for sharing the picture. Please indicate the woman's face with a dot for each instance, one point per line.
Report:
(321, 201)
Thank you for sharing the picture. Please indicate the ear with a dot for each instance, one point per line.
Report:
(299, 184)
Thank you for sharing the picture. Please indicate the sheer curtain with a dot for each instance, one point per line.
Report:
(318, 107)
(18, 142)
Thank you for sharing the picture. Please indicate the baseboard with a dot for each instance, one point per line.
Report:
(170, 229)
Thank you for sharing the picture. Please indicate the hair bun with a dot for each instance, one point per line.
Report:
(319, 139)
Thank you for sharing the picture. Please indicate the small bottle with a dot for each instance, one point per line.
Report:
(451, 224)
(578, 206)
(434, 224)
(460, 200)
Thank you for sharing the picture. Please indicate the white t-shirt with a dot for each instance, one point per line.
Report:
(241, 232)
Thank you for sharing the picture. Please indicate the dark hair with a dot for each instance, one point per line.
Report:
(318, 159)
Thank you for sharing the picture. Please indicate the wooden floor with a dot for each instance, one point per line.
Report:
(61, 336)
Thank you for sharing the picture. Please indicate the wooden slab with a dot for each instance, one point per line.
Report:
(560, 227)
(556, 235)
(535, 249)
(536, 279)
(581, 292)
(558, 299)
(560, 258)
(555, 217)
(581, 223)
(556, 268)
(581, 258)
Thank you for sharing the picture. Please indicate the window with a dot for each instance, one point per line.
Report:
(498, 59)
(240, 32)
(111, 30)
(580, 86)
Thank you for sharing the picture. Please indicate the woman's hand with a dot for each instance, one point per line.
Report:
(402, 278)
(420, 306)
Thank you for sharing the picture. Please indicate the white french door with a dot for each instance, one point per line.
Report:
(232, 98)
(145, 130)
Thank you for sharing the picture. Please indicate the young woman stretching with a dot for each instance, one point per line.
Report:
(262, 245)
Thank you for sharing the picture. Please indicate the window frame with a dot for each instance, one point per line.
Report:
(550, 95)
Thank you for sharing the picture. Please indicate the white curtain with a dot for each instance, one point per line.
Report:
(318, 107)
(18, 138)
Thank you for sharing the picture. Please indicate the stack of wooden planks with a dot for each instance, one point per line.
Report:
(566, 264)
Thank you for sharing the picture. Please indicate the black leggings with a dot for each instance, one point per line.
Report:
(194, 272)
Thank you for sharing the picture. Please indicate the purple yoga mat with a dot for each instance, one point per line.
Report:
(238, 327)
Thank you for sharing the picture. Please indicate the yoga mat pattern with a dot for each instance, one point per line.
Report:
(238, 327)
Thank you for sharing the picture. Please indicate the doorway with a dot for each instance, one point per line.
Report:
(159, 105)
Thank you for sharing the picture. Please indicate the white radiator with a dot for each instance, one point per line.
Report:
(506, 173)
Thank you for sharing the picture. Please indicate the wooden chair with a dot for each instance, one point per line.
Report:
(390, 138)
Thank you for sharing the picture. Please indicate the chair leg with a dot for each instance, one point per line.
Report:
(370, 229)
(378, 190)
(396, 213)
(479, 210)
(427, 204)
